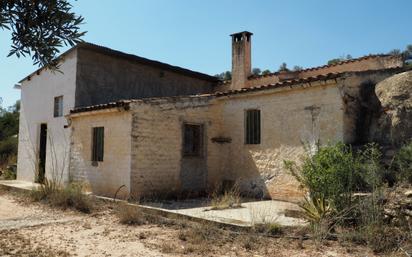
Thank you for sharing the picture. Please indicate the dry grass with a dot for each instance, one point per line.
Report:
(229, 199)
(271, 228)
(14, 244)
(71, 196)
(130, 215)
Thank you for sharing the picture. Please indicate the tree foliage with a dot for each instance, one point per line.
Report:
(256, 71)
(283, 67)
(9, 128)
(39, 27)
(266, 72)
(406, 54)
(340, 59)
(227, 75)
(297, 68)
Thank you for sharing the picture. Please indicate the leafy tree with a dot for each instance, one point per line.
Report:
(334, 61)
(395, 52)
(297, 68)
(39, 27)
(9, 121)
(283, 67)
(256, 71)
(407, 54)
(227, 75)
(340, 59)
(9, 128)
(265, 72)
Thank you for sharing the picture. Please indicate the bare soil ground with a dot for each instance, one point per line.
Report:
(33, 229)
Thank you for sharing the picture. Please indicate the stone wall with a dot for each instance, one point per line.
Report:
(289, 119)
(107, 176)
(102, 78)
(362, 106)
(151, 136)
(157, 162)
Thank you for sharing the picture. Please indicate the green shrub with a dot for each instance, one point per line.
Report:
(403, 163)
(371, 171)
(8, 174)
(336, 171)
(8, 148)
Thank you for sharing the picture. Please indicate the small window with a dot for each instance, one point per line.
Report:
(58, 106)
(98, 144)
(252, 127)
(192, 140)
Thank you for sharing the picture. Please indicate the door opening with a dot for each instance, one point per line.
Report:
(42, 153)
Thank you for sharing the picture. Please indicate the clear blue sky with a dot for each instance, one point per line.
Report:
(195, 34)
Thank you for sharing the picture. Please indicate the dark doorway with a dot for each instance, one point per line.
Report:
(42, 153)
(194, 163)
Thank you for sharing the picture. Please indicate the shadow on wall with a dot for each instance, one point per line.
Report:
(260, 173)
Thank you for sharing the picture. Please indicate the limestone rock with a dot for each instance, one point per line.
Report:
(398, 204)
(395, 96)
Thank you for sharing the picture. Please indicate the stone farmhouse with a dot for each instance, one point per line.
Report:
(115, 120)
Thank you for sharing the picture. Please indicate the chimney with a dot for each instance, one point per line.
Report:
(241, 59)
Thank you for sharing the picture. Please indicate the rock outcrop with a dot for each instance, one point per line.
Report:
(395, 120)
(398, 204)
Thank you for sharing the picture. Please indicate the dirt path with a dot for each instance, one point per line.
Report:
(37, 230)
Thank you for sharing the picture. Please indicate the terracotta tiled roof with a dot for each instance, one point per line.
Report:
(125, 104)
(324, 66)
(323, 77)
(286, 83)
(121, 103)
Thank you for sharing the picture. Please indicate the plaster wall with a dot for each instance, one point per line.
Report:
(37, 105)
(106, 177)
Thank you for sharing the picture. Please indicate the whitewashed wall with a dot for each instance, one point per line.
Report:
(37, 103)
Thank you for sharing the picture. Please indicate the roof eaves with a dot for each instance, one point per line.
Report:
(119, 54)
(132, 57)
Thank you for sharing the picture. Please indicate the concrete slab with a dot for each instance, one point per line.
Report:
(249, 214)
(19, 184)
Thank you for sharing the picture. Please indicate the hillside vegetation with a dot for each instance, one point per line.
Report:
(9, 129)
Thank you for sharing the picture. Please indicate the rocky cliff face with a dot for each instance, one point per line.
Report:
(395, 119)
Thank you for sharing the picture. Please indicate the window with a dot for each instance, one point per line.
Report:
(98, 144)
(252, 127)
(58, 106)
(192, 140)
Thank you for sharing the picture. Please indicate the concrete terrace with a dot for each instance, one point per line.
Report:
(249, 214)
